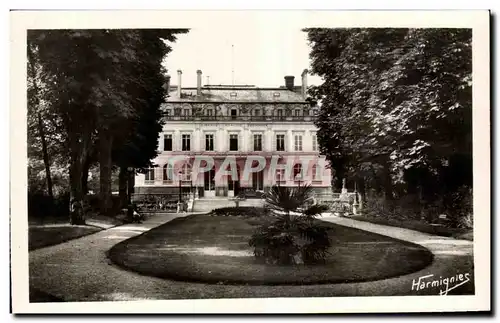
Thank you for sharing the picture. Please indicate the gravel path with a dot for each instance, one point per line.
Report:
(79, 270)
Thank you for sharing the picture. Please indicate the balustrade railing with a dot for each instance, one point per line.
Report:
(240, 118)
(159, 202)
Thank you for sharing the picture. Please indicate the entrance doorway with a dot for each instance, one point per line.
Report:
(258, 181)
(233, 184)
(209, 183)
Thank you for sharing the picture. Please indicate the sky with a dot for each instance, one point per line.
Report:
(261, 55)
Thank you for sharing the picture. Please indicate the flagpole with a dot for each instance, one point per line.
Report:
(232, 63)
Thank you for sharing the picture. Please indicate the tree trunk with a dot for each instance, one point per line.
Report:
(105, 165)
(122, 186)
(46, 161)
(131, 184)
(387, 182)
(85, 175)
(75, 178)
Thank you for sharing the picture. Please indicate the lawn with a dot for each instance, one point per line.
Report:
(54, 230)
(52, 234)
(214, 249)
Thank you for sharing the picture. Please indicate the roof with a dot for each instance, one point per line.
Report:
(237, 93)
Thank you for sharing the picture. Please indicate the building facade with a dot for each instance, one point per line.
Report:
(222, 140)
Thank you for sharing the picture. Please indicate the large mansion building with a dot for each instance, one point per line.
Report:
(240, 123)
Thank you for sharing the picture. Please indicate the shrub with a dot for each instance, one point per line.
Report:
(40, 206)
(466, 222)
(457, 206)
(316, 209)
(460, 207)
(287, 242)
(291, 239)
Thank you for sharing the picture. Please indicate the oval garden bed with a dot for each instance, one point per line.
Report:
(214, 249)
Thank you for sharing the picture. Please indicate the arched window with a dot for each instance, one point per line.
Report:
(168, 174)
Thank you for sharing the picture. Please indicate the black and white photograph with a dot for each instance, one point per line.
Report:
(310, 158)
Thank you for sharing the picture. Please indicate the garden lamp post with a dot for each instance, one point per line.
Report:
(180, 187)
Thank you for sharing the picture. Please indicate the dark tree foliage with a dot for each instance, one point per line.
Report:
(396, 107)
(105, 86)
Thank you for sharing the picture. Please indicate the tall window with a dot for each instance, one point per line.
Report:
(280, 142)
(280, 113)
(257, 142)
(185, 113)
(209, 142)
(297, 172)
(167, 142)
(315, 143)
(296, 112)
(186, 172)
(298, 142)
(186, 142)
(233, 142)
(316, 176)
(168, 173)
(234, 113)
(150, 176)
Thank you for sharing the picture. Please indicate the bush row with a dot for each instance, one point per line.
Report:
(453, 210)
(39, 205)
(240, 211)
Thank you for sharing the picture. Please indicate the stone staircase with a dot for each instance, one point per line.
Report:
(207, 204)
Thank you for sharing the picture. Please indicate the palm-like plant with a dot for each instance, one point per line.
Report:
(287, 199)
(291, 239)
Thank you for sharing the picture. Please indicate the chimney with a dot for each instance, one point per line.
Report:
(289, 82)
(198, 82)
(304, 83)
(167, 85)
(179, 83)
